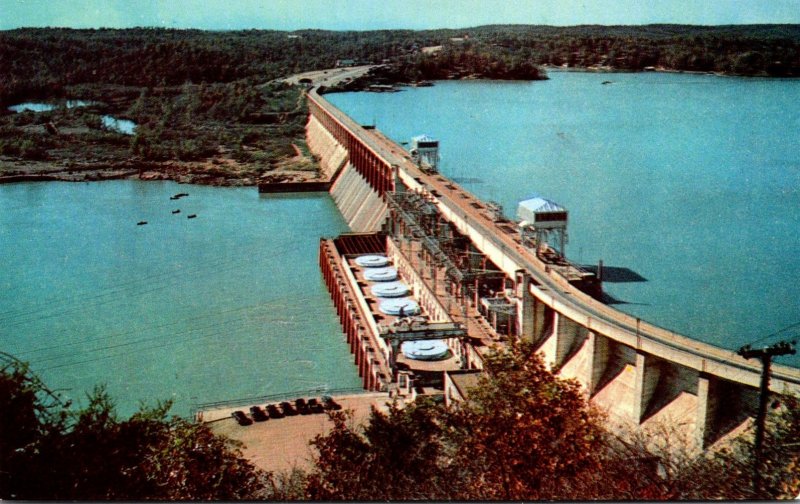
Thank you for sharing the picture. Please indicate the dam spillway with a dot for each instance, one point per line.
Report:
(640, 373)
(355, 196)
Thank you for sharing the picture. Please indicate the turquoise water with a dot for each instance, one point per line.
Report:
(692, 182)
(227, 305)
(46, 107)
(124, 126)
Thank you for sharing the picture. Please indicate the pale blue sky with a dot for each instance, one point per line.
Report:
(377, 14)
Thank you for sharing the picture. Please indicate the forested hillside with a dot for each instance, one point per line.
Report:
(210, 103)
(742, 49)
(43, 61)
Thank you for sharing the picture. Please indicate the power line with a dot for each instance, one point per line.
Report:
(765, 355)
(776, 333)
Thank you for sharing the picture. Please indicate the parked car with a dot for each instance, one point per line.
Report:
(314, 406)
(302, 406)
(288, 409)
(329, 403)
(258, 414)
(241, 417)
(274, 411)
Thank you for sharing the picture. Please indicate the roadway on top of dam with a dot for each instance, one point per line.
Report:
(329, 76)
(552, 289)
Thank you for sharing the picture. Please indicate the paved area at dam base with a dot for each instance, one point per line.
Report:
(283, 444)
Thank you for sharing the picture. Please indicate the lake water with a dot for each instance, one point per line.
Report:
(227, 305)
(689, 184)
(46, 107)
(124, 126)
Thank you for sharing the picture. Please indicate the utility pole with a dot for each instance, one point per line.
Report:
(765, 355)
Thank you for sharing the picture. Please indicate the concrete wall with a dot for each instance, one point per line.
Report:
(355, 191)
(331, 154)
(362, 208)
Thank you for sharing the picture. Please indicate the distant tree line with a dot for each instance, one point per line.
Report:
(769, 50)
(199, 94)
(44, 61)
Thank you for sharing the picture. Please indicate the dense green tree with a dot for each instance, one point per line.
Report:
(191, 92)
(397, 457)
(524, 433)
(509, 441)
(48, 451)
(45, 62)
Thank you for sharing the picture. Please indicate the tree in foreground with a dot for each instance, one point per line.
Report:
(50, 452)
(525, 434)
(397, 457)
(728, 472)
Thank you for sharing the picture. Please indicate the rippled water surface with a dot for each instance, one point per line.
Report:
(687, 186)
(229, 304)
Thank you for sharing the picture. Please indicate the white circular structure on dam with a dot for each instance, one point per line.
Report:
(372, 261)
(427, 350)
(387, 274)
(399, 307)
(389, 289)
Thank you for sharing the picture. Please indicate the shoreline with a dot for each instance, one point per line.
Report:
(211, 172)
(181, 172)
(613, 70)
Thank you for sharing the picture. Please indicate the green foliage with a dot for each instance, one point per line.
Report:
(30, 416)
(192, 93)
(40, 63)
(396, 458)
(525, 434)
(191, 123)
(50, 452)
(30, 147)
(507, 442)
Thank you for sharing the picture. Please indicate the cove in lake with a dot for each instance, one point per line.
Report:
(123, 126)
(224, 306)
(46, 107)
(687, 185)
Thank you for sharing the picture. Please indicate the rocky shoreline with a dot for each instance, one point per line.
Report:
(14, 170)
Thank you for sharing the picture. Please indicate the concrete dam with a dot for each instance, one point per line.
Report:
(472, 279)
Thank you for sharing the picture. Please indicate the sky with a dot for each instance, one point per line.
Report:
(385, 14)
